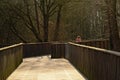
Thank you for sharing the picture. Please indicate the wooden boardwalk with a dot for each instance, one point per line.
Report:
(44, 68)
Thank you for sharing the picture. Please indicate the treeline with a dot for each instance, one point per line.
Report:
(58, 20)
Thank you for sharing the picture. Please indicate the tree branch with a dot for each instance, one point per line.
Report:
(14, 30)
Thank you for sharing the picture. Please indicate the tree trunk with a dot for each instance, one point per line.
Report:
(56, 33)
(106, 24)
(46, 22)
(37, 16)
(114, 31)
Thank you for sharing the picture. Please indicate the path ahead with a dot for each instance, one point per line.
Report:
(44, 68)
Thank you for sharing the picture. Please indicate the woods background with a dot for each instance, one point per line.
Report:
(56, 20)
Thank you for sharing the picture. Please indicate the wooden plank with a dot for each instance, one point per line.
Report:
(44, 68)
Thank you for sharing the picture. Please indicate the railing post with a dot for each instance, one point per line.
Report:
(67, 51)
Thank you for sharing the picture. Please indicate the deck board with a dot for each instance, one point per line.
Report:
(44, 68)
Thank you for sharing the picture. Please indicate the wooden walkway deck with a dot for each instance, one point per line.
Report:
(44, 68)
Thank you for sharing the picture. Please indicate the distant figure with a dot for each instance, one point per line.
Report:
(78, 39)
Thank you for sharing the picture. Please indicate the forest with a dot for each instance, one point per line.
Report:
(59, 20)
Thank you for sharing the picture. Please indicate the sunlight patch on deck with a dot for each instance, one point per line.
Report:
(44, 68)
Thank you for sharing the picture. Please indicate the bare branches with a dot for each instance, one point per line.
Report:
(24, 14)
(52, 11)
(15, 31)
(47, 8)
(34, 15)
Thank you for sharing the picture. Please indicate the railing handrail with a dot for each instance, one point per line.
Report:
(95, 40)
(37, 43)
(12, 46)
(98, 49)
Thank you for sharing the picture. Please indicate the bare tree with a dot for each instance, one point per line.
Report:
(47, 8)
(27, 18)
(61, 4)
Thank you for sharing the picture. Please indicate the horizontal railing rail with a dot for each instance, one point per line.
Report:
(94, 63)
(105, 44)
(10, 58)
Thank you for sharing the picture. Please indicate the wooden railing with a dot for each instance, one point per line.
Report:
(10, 58)
(4, 45)
(57, 50)
(105, 44)
(94, 63)
(36, 49)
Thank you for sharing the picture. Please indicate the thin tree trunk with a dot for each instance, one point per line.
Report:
(46, 21)
(37, 16)
(114, 31)
(56, 33)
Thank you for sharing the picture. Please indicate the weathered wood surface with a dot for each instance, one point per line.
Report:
(36, 49)
(44, 68)
(10, 58)
(105, 44)
(95, 63)
(57, 50)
